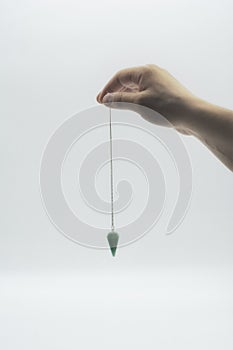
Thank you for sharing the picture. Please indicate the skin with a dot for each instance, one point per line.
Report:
(153, 87)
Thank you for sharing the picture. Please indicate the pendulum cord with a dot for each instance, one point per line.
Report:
(111, 169)
(113, 236)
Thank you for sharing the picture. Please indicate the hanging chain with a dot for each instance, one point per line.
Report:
(111, 169)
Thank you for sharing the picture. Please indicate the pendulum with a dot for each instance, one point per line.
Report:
(113, 236)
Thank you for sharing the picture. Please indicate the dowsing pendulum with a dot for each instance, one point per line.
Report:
(112, 236)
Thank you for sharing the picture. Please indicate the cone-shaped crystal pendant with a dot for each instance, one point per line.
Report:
(113, 238)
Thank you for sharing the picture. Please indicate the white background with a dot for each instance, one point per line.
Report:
(161, 292)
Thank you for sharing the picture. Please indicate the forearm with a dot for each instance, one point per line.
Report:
(213, 125)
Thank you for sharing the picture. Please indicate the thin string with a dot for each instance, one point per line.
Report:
(111, 169)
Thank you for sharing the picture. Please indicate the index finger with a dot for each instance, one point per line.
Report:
(121, 78)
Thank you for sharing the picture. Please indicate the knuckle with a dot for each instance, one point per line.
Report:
(151, 67)
(145, 69)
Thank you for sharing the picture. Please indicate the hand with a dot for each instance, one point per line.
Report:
(152, 87)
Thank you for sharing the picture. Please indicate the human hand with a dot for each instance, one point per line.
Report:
(152, 87)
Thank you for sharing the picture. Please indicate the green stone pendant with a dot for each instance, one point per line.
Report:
(113, 238)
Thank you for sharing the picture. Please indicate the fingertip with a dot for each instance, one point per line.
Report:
(98, 97)
(102, 94)
(108, 98)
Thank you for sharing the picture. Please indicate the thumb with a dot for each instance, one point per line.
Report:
(125, 100)
(130, 97)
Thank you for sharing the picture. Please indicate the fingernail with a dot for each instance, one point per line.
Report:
(107, 98)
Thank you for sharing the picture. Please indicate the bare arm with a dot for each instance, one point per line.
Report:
(213, 125)
(154, 87)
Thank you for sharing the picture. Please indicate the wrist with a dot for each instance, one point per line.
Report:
(193, 115)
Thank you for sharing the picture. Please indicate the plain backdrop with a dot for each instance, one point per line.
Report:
(165, 292)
